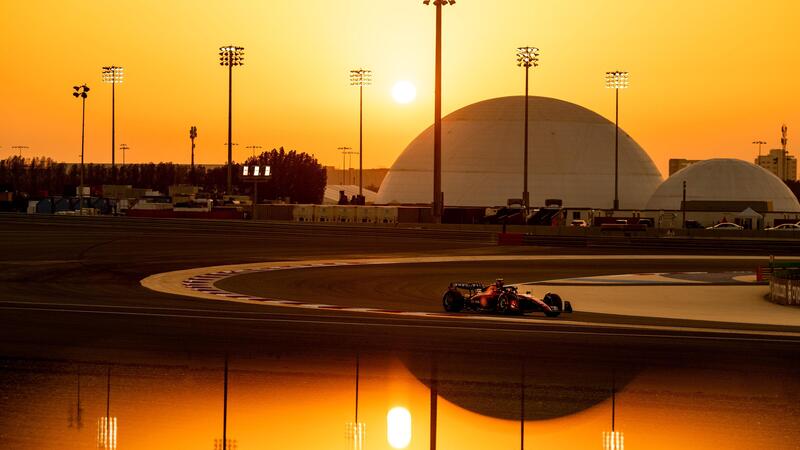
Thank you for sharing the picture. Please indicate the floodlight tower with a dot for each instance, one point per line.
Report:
(437, 205)
(254, 148)
(82, 92)
(759, 143)
(124, 148)
(527, 57)
(112, 75)
(230, 56)
(616, 80)
(360, 78)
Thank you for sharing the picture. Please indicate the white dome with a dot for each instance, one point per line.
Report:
(724, 180)
(571, 157)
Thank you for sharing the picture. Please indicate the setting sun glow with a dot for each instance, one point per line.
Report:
(404, 92)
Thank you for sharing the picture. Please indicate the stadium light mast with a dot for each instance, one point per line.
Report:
(81, 92)
(360, 78)
(254, 148)
(616, 80)
(438, 200)
(123, 147)
(20, 148)
(759, 143)
(113, 75)
(230, 56)
(345, 151)
(527, 57)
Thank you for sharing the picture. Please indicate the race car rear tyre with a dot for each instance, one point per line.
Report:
(453, 301)
(503, 304)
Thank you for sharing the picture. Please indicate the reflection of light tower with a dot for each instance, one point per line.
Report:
(759, 143)
(81, 92)
(356, 432)
(526, 57)
(360, 78)
(225, 443)
(107, 426)
(613, 440)
(437, 205)
(616, 80)
(112, 75)
(230, 56)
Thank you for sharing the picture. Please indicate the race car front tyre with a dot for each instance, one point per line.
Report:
(453, 301)
(554, 301)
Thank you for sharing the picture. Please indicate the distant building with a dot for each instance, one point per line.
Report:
(676, 164)
(774, 163)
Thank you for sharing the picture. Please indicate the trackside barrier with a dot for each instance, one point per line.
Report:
(784, 287)
(324, 213)
(345, 213)
(303, 213)
(367, 214)
(386, 214)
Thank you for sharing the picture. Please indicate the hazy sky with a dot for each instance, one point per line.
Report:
(707, 78)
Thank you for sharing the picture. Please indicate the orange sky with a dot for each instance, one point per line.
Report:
(707, 78)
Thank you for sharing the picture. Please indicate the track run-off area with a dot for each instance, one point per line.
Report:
(687, 288)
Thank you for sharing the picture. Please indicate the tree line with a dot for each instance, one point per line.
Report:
(296, 176)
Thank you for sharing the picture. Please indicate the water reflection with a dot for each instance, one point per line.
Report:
(301, 402)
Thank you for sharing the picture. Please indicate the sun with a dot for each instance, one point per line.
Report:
(404, 92)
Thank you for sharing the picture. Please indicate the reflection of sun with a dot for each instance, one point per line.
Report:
(404, 92)
(398, 429)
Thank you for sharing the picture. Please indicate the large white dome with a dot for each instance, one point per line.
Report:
(571, 157)
(724, 180)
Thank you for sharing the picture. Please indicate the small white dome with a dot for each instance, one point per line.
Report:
(570, 154)
(724, 180)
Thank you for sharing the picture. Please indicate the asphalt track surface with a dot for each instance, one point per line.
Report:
(70, 285)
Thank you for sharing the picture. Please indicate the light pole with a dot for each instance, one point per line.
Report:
(527, 57)
(437, 204)
(123, 147)
(192, 136)
(82, 92)
(616, 80)
(112, 75)
(230, 56)
(19, 148)
(360, 78)
(254, 148)
(759, 143)
(345, 151)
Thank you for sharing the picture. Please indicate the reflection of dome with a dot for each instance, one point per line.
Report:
(571, 157)
(724, 180)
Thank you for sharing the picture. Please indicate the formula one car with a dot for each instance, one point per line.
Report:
(500, 299)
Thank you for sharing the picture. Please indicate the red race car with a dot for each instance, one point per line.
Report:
(500, 299)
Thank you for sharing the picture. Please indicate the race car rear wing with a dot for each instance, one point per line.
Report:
(468, 286)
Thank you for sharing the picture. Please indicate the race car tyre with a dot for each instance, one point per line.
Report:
(503, 304)
(551, 299)
(453, 301)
